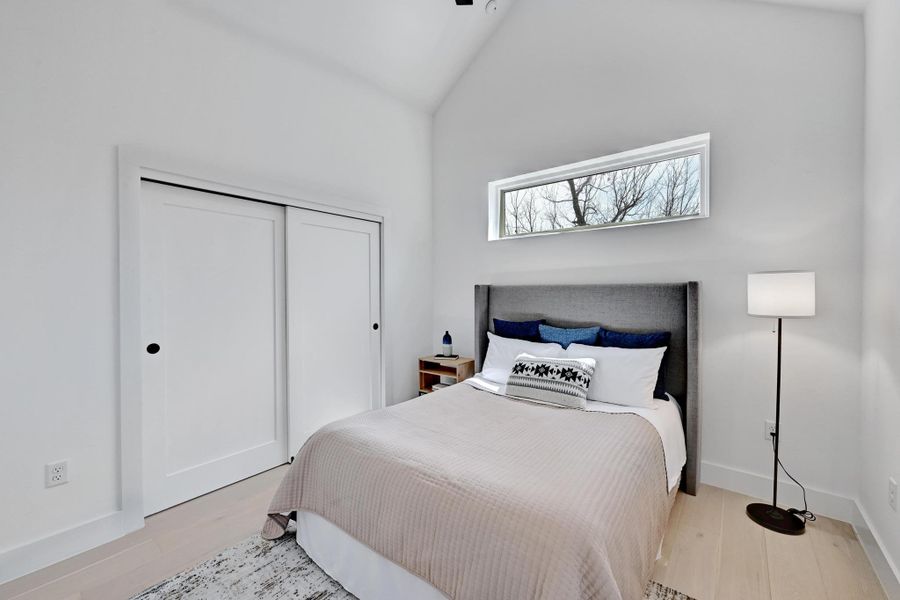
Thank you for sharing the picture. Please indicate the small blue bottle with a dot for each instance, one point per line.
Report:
(447, 344)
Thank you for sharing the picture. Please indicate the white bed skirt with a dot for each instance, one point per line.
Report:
(362, 571)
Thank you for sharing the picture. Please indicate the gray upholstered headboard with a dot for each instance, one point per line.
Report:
(670, 307)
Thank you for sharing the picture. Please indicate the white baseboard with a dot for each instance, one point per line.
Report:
(59, 546)
(884, 565)
(820, 502)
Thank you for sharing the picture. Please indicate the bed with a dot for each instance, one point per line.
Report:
(469, 494)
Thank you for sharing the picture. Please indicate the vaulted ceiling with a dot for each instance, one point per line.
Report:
(412, 49)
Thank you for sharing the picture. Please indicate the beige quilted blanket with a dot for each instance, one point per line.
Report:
(490, 498)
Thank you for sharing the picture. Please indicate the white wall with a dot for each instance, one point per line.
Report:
(77, 79)
(780, 90)
(880, 434)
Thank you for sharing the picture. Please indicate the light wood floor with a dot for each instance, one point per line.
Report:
(711, 550)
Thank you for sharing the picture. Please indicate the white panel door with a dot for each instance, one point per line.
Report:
(334, 336)
(212, 279)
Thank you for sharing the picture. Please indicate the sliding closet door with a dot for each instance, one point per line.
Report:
(212, 280)
(334, 335)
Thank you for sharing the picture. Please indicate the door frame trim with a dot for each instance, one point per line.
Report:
(137, 163)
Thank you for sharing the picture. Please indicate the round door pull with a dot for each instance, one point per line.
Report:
(153, 348)
(375, 326)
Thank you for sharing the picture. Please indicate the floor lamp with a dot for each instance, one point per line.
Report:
(780, 295)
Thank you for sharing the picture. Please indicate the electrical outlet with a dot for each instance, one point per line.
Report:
(769, 431)
(892, 493)
(56, 473)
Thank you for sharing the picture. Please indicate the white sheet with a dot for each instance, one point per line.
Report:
(664, 415)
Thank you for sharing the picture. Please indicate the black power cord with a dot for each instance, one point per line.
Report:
(804, 514)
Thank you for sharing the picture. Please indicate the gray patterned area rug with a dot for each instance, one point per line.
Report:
(258, 569)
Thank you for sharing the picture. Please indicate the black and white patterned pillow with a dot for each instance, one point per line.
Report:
(561, 381)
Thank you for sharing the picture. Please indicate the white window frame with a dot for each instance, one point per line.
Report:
(689, 146)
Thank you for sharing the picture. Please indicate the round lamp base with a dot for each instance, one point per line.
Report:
(776, 519)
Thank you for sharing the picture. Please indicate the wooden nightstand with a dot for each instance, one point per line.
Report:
(431, 369)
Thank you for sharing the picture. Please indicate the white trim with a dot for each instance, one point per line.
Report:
(59, 546)
(698, 144)
(828, 504)
(130, 429)
(884, 566)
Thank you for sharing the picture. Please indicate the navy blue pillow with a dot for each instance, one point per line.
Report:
(657, 339)
(518, 330)
(572, 335)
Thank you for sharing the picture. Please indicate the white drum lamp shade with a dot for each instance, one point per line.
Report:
(784, 294)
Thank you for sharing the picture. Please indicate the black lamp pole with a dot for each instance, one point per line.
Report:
(777, 420)
(769, 515)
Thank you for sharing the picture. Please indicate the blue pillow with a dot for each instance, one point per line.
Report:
(657, 339)
(518, 330)
(564, 336)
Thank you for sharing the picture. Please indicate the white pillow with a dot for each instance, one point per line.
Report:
(502, 353)
(624, 376)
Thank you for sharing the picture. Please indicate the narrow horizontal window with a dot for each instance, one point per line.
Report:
(665, 182)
